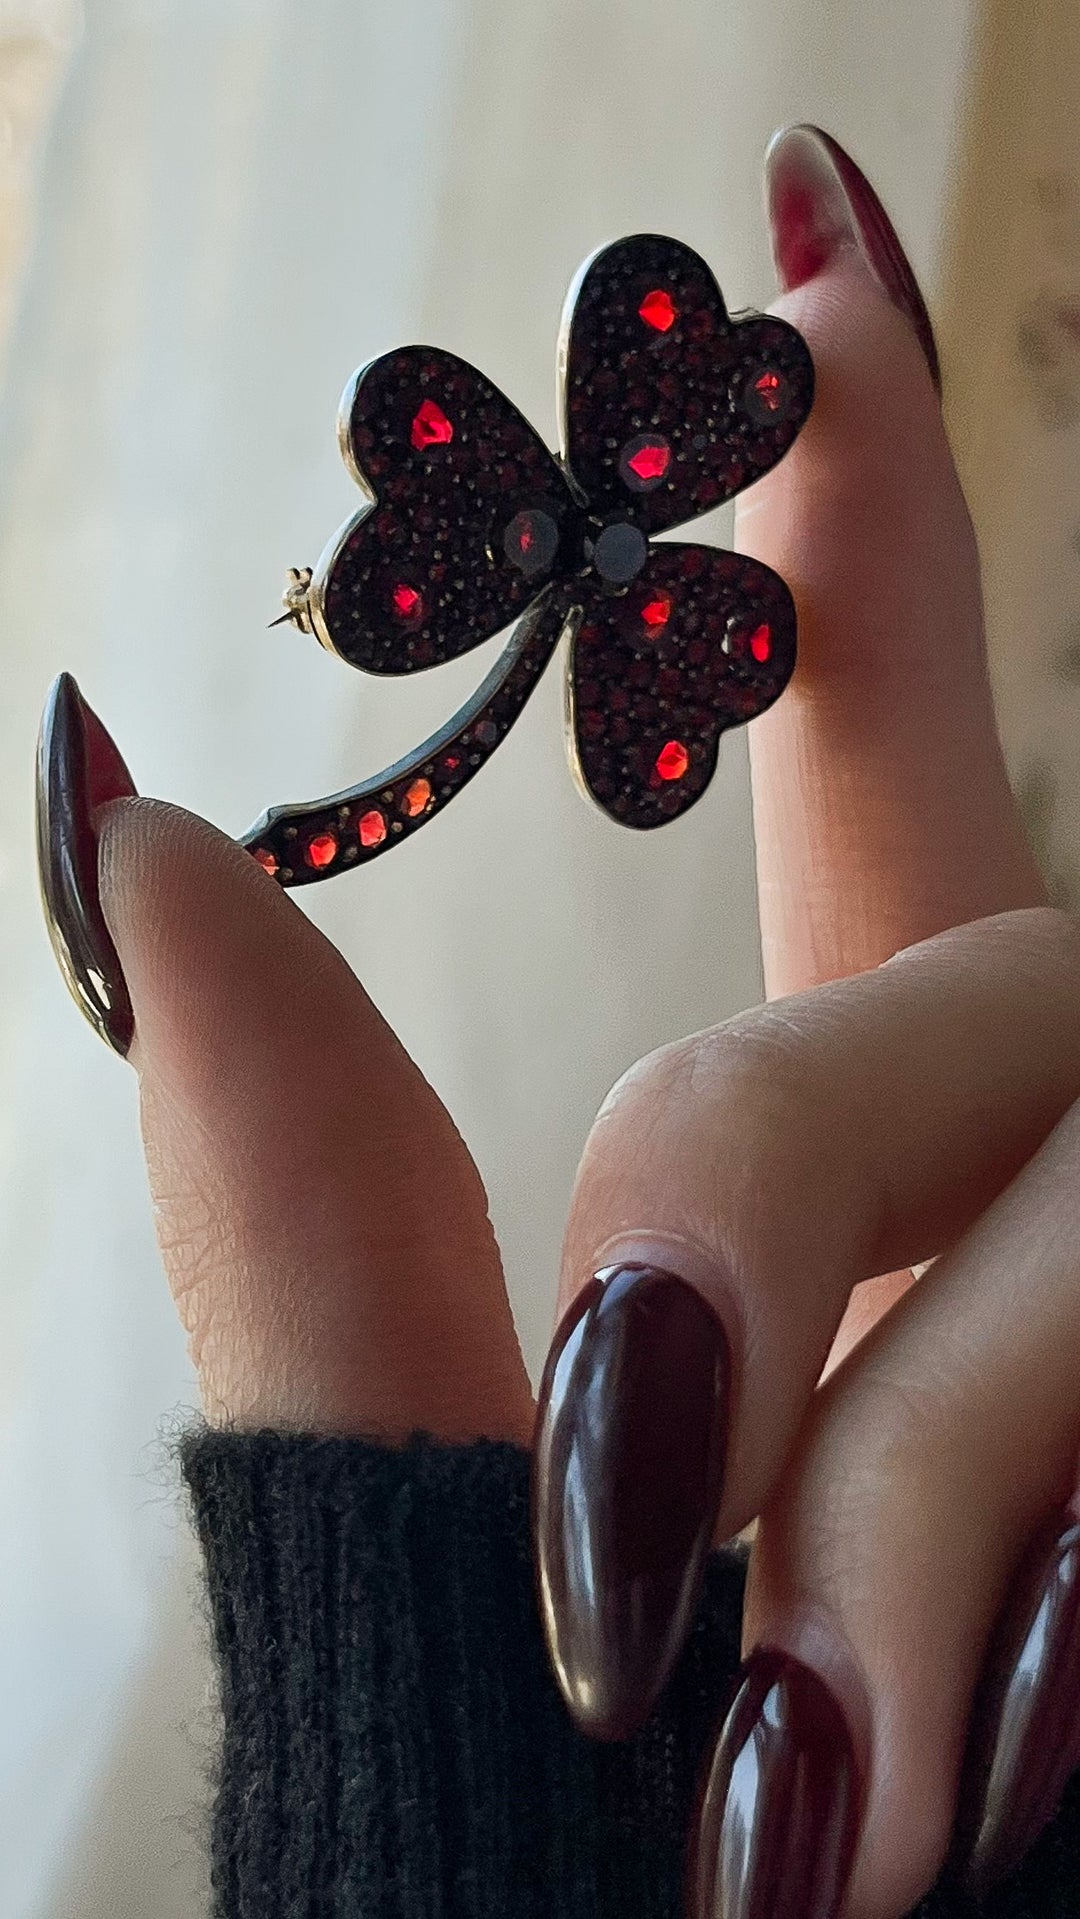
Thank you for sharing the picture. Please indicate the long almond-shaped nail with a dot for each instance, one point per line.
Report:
(628, 1471)
(79, 769)
(1024, 1737)
(779, 1813)
(820, 205)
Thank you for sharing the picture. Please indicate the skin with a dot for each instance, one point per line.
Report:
(894, 1500)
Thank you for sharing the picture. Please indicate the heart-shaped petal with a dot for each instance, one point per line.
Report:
(465, 523)
(703, 641)
(670, 406)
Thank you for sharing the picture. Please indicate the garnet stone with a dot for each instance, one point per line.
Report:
(658, 310)
(321, 850)
(416, 799)
(741, 638)
(407, 601)
(531, 542)
(431, 427)
(673, 762)
(767, 397)
(372, 828)
(644, 461)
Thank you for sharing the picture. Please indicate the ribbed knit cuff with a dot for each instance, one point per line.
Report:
(393, 1745)
(393, 1742)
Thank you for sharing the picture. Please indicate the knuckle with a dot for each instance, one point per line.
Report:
(727, 1128)
(747, 1075)
(1041, 939)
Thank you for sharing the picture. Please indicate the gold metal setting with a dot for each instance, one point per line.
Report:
(295, 599)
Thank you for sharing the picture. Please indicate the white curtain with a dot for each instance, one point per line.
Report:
(238, 201)
(1011, 324)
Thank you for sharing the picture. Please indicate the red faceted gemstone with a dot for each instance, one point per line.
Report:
(322, 850)
(531, 541)
(372, 828)
(431, 427)
(769, 387)
(651, 462)
(657, 612)
(761, 643)
(408, 601)
(658, 310)
(267, 860)
(416, 799)
(673, 761)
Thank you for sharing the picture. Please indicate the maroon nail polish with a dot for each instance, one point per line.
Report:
(1024, 1737)
(779, 1814)
(821, 203)
(627, 1475)
(79, 769)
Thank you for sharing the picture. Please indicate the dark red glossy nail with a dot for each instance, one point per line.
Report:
(1024, 1738)
(779, 1814)
(79, 769)
(820, 203)
(628, 1470)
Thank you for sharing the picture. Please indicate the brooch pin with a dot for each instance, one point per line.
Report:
(668, 407)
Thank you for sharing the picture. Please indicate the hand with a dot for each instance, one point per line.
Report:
(760, 1171)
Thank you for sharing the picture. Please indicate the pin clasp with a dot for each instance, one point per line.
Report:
(295, 600)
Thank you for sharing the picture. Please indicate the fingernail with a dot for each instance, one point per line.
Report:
(1024, 1738)
(820, 205)
(779, 1814)
(628, 1470)
(79, 769)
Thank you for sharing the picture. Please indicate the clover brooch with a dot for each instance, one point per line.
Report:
(669, 406)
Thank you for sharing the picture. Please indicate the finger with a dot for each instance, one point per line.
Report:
(894, 1541)
(882, 808)
(323, 1226)
(745, 1180)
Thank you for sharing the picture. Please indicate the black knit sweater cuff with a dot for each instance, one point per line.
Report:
(393, 1742)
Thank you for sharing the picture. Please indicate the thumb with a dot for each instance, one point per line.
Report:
(323, 1227)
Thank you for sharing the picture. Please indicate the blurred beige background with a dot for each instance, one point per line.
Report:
(210, 212)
